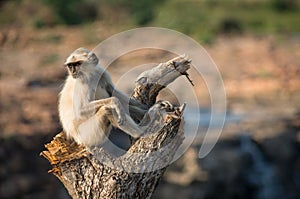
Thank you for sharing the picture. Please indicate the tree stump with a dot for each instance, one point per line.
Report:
(94, 173)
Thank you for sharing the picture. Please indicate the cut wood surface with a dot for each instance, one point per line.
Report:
(94, 173)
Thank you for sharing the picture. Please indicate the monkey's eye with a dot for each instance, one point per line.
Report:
(74, 64)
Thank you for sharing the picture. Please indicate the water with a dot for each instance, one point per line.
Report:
(200, 118)
(261, 174)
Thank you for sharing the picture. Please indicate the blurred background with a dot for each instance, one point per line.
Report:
(254, 43)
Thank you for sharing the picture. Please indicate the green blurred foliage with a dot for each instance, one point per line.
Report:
(205, 19)
(283, 5)
(142, 11)
(72, 12)
(202, 19)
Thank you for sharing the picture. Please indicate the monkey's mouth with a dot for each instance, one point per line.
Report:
(74, 75)
(73, 68)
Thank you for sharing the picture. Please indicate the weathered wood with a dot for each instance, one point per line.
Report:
(93, 173)
(150, 82)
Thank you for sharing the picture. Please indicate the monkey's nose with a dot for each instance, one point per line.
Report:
(73, 70)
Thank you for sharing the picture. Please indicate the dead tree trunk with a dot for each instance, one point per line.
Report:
(96, 174)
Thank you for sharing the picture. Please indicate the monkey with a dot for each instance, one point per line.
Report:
(89, 104)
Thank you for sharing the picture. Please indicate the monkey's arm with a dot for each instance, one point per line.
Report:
(112, 109)
(135, 107)
(92, 107)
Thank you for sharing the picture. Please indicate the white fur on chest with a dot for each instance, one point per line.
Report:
(75, 95)
(65, 107)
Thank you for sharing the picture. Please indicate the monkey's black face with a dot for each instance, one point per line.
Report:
(81, 63)
(73, 68)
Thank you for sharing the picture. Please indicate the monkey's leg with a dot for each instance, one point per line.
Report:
(114, 112)
(135, 107)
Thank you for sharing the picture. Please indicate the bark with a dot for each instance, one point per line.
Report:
(93, 173)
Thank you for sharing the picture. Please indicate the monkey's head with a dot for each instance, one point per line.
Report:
(81, 62)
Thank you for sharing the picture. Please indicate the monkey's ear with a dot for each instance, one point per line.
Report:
(93, 58)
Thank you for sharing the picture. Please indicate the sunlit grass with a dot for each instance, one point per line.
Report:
(206, 19)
